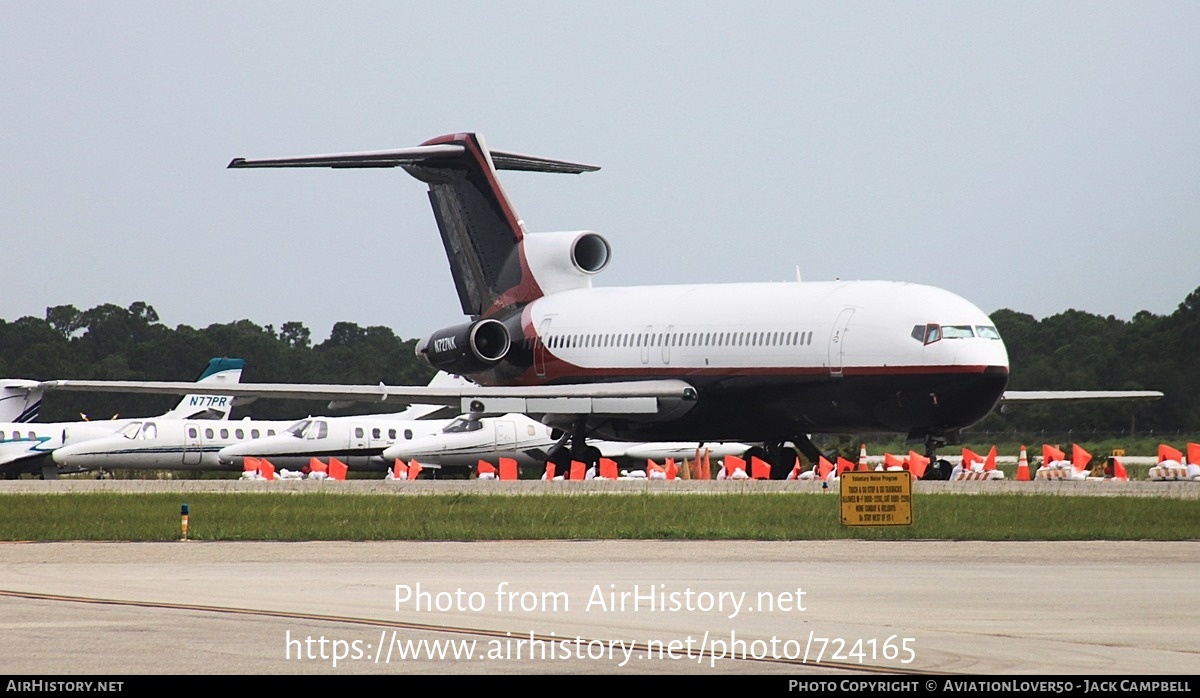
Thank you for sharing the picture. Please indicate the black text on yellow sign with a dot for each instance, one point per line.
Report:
(879, 498)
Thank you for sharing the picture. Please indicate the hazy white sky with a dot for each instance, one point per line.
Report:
(1026, 155)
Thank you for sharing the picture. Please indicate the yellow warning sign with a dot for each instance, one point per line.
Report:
(878, 498)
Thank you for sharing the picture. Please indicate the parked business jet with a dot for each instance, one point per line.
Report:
(165, 444)
(465, 441)
(26, 447)
(184, 443)
(749, 362)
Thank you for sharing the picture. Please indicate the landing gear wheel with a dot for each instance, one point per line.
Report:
(938, 470)
(590, 457)
(562, 462)
(782, 462)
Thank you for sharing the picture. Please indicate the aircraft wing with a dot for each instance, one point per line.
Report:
(1077, 395)
(651, 397)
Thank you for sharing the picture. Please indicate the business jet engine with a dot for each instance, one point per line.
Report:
(466, 349)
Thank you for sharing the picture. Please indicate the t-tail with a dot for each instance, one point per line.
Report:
(220, 370)
(497, 266)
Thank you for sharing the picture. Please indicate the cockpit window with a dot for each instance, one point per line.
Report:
(932, 332)
(462, 424)
(150, 431)
(927, 334)
(297, 429)
(130, 431)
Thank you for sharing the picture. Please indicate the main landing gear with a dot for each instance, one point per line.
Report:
(781, 455)
(939, 468)
(563, 453)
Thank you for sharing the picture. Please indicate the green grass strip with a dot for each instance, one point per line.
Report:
(792, 516)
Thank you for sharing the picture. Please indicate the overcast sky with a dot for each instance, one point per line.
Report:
(1037, 156)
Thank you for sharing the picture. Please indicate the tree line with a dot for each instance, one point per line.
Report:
(1072, 350)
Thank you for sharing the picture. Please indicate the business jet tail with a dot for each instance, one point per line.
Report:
(196, 406)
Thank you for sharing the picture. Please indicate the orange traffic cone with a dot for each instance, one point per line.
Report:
(862, 458)
(1023, 466)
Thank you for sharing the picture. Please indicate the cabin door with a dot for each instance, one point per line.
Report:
(193, 448)
(837, 341)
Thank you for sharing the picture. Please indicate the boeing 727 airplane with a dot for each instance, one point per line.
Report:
(768, 363)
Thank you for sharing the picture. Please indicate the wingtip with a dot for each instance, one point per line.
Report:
(236, 163)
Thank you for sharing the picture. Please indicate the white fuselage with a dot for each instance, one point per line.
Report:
(769, 359)
(357, 441)
(165, 444)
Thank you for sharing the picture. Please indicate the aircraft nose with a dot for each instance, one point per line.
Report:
(231, 453)
(982, 352)
(72, 454)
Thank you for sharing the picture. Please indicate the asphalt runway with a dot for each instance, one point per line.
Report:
(599, 607)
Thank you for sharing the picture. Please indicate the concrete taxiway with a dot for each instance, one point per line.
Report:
(604, 607)
(599, 607)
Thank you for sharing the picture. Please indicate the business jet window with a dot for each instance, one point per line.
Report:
(986, 332)
(150, 431)
(224, 433)
(462, 424)
(208, 433)
(193, 432)
(957, 332)
(239, 434)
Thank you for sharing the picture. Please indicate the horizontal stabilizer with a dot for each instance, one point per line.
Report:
(418, 155)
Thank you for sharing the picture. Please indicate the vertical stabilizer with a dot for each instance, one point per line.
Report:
(20, 400)
(220, 370)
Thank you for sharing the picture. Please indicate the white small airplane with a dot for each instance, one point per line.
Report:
(375, 442)
(768, 363)
(181, 442)
(26, 447)
(164, 444)
(468, 439)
